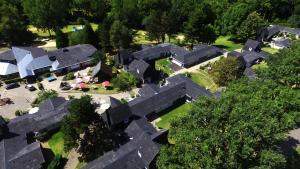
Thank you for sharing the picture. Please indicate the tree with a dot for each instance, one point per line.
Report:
(199, 27)
(84, 36)
(13, 29)
(85, 130)
(250, 27)
(104, 35)
(284, 67)
(98, 56)
(61, 39)
(241, 129)
(44, 95)
(47, 14)
(226, 70)
(124, 81)
(120, 35)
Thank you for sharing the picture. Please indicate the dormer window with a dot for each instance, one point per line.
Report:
(138, 71)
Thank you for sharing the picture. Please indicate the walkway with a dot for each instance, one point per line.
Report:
(72, 160)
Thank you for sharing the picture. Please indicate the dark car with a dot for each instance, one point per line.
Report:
(65, 86)
(11, 86)
(30, 87)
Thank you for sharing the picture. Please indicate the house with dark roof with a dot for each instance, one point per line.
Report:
(18, 148)
(249, 72)
(153, 99)
(252, 46)
(138, 153)
(102, 72)
(198, 55)
(252, 58)
(31, 61)
(268, 33)
(142, 70)
(281, 43)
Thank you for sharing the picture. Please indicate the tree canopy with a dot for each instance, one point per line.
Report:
(242, 129)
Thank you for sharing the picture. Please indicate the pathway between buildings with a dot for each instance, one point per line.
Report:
(72, 160)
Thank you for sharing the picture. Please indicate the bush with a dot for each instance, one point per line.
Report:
(124, 81)
(40, 86)
(8, 81)
(69, 76)
(48, 74)
(56, 162)
(42, 96)
(20, 112)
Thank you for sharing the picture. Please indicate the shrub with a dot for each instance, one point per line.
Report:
(69, 76)
(40, 86)
(8, 81)
(124, 81)
(20, 112)
(42, 96)
(48, 74)
(56, 162)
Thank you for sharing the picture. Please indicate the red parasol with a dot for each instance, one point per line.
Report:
(82, 85)
(105, 84)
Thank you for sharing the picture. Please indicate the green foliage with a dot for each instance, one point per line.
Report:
(294, 20)
(47, 14)
(284, 67)
(226, 70)
(69, 76)
(42, 96)
(85, 130)
(120, 35)
(124, 81)
(61, 39)
(84, 36)
(56, 162)
(104, 35)
(40, 86)
(20, 112)
(250, 27)
(240, 130)
(199, 27)
(15, 80)
(13, 28)
(98, 56)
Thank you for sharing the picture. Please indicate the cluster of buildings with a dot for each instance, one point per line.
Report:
(27, 62)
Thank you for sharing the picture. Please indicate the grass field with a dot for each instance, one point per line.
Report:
(81, 165)
(164, 65)
(56, 143)
(226, 43)
(202, 78)
(141, 38)
(66, 29)
(98, 90)
(270, 50)
(177, 112)
(260, 66)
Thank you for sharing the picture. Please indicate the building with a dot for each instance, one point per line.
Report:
(252, 58)
(200, 54)
(142, 71)
(249, 72)
(281, 43)
(154, 99)
(138, 153)
(31, 61)
(18, 147)
(252, 46)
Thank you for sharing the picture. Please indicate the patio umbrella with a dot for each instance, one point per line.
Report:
(82, 85)
(105, 84)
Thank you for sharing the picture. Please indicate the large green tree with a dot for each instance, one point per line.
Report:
(250, 27)
(226, 70)
(85, 130)
(120, 35)
(62, 39)
(199, 27)
(47, 14)
(13, 28)
(240, 130)
(124, 81)
(284, 67)
(84, 36)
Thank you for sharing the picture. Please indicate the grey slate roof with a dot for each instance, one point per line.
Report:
(250, 57)
(15, 151)
(138, 153)
(72, 55)
(148, 90)
(272, 31)
(249, 72)
(283, 43)
(200, 53)
(35, 52)
(252, 45)
(97, 69)
(153, 52)
(7, 56)
(235, 54)
(138, 68)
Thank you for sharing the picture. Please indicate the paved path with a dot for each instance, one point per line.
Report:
(72, 160)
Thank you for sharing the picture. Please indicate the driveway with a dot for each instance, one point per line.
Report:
(21, 98)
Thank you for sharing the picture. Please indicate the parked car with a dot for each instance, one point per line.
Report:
(51, 78)
(11, 86)
(30, 87)
(64, 86)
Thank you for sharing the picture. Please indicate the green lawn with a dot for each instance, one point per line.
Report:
(202, 78)
(99, 90)
(56, 143)
(260, 66)
(270, 50)
(177, 112)
(164, 65)
(226, 43)
(81, 165)
(141, 38)
(66, 29)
